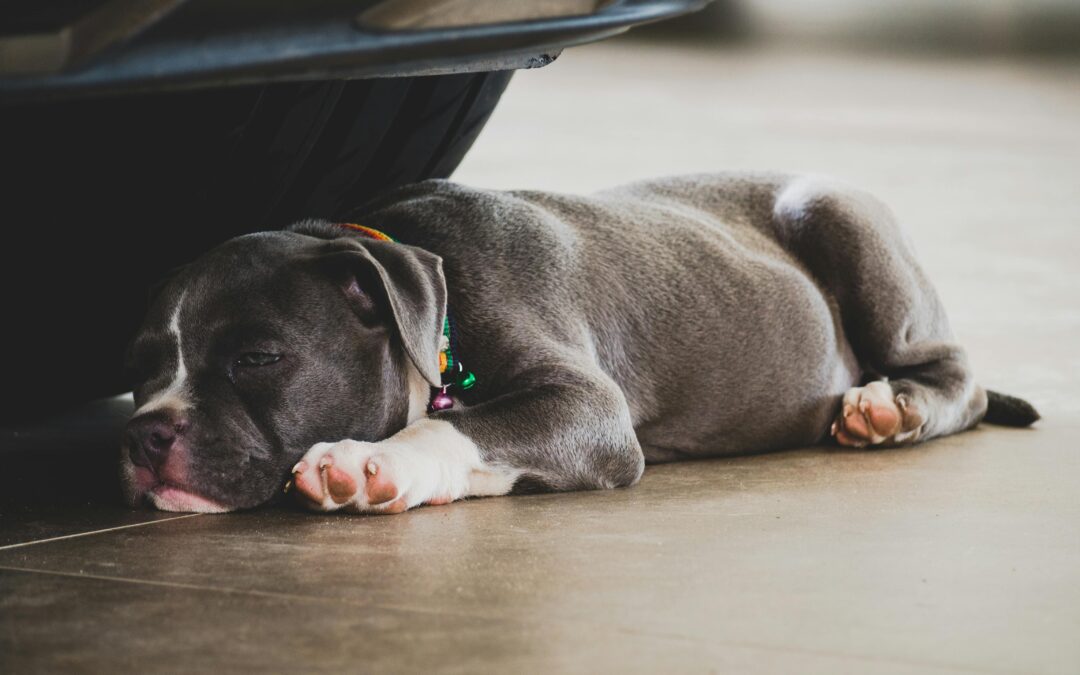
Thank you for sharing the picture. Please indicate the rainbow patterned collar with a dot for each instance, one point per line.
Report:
(451, 370)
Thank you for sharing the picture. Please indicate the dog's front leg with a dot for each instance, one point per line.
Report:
(568, 431)
(427, 462)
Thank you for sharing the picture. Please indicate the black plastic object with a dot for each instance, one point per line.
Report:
(102, 197)
(200, 43)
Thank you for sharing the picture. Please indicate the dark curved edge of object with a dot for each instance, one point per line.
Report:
(332, 49)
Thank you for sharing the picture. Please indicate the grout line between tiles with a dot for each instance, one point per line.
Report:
(87, 534)
(483, 615)
(182, 585)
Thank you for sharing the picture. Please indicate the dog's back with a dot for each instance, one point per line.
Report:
(719, 339)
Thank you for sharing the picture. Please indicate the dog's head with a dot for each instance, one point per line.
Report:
(267, 345)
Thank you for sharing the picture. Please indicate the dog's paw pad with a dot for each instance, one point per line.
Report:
(396, 506)
(380, 486)
(308, 483)
(872, 415)
(340, 484)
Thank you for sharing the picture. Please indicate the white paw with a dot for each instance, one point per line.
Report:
(363, 477)
(873, 415)
(428, 462)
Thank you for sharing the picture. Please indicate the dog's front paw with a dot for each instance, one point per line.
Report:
(373, 478)
(873, 415)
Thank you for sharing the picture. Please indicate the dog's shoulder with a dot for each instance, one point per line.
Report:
(418, 212)
(316, 227)
(443, 215)
(431, 197)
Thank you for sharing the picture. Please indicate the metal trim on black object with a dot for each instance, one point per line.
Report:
(324, 49)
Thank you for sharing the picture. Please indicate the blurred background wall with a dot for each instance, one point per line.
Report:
(994, 26)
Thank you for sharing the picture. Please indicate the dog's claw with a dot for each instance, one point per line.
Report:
(372, 468)
(300, 467)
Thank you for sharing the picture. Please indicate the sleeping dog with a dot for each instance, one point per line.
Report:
(450, 342)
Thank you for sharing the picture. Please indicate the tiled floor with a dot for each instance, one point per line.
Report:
(959, 555)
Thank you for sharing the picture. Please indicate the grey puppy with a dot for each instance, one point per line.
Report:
(685, 317)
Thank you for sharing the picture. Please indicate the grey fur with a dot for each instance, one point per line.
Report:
(685, 317)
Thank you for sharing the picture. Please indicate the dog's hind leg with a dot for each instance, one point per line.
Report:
(918, 383)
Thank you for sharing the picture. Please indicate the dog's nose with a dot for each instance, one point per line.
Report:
(151, 437)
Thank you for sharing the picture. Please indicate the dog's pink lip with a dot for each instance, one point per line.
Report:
(168, 497)
(159, 489)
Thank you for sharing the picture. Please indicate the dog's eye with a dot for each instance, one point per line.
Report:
(251, 359)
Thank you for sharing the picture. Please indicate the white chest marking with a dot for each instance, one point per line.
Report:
(419, 393)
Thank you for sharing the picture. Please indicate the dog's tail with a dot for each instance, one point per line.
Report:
(1009, 411)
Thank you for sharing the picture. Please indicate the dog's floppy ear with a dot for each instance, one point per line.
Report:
(415, 288)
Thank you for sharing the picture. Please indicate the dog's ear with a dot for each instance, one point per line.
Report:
(412, 281)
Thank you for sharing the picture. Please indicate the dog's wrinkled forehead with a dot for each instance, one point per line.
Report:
(236, 267)
(248, 276)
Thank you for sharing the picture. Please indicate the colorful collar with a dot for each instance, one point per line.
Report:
(452, 371)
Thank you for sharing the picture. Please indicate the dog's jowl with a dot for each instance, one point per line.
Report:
(449, 342)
